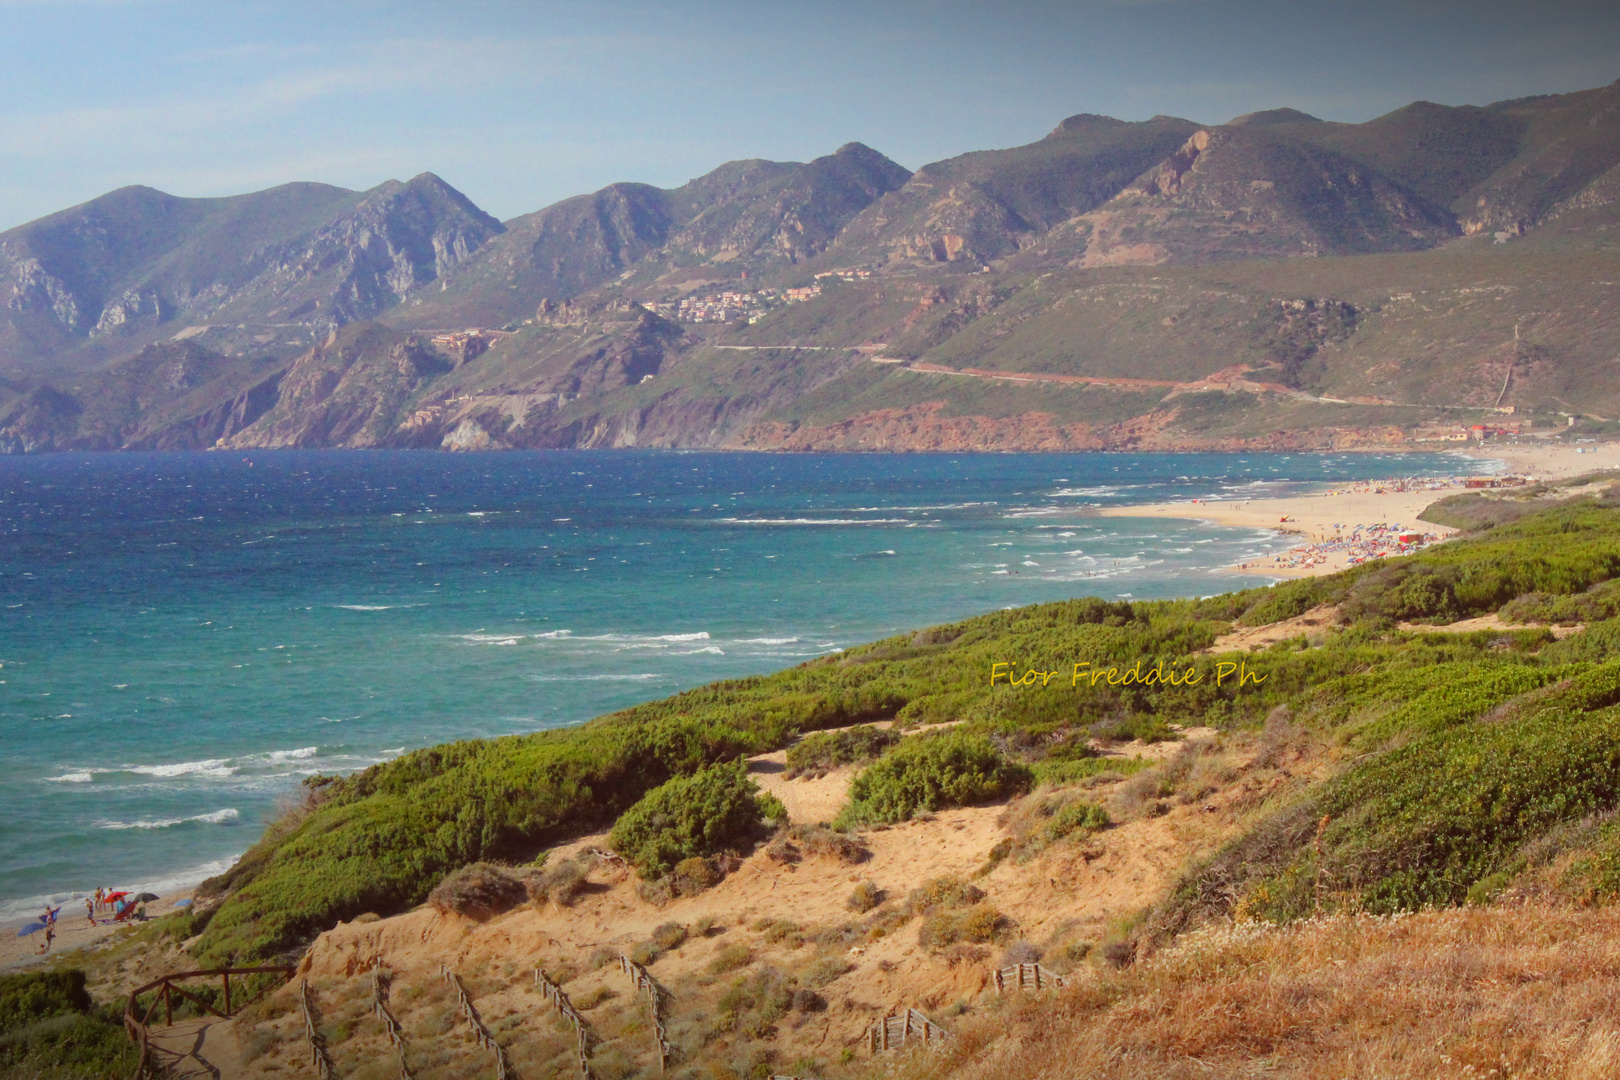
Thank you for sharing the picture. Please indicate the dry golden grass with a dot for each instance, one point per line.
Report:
(1505, 992)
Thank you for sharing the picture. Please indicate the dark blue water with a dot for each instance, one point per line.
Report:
(184, 637)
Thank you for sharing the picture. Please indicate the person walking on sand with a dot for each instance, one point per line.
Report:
(90, 910)
(50, 936)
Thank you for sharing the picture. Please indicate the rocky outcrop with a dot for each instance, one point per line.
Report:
(175, 396)
(1230, 193)
(349, 392)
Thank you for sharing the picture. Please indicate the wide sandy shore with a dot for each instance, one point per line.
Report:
(1321, 519)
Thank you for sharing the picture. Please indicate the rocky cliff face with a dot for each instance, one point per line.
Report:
(347, 392)
(1245, 192)
(173, 396)
(105, 278)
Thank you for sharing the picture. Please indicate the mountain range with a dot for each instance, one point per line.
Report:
(1274, 281)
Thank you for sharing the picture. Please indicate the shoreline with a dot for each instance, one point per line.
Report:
(73, 933)
(1313, 514)
(1325, 518)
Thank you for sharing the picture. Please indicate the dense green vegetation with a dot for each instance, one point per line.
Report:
(830, 749)
(1461, 745)
(49, 1028)
(931, 772)
(690, 817)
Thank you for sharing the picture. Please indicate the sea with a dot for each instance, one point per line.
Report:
(185, 637)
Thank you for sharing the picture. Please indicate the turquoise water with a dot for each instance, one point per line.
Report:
(184, 637)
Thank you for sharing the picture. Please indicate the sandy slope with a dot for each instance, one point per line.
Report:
(1072, 889)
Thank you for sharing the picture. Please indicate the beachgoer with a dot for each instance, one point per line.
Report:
(50, 936)
(90, 910)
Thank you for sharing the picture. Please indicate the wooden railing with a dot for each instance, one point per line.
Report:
(137, 1022)
(481, 1035)
(318, 1056)
(379, 1009)
(1027, 977)
(656, 996)
(893, 1031)
(565, 1009)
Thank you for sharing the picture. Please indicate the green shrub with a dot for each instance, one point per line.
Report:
(831, 749)
(690, 817)
(931, 772)
(50, 1028)
(1076, 819)
(36, 995)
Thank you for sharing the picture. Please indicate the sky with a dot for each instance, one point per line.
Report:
(522, 104)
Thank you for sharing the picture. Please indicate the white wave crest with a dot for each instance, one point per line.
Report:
(218, 767)
(83, 777)
(293, 755)
(365, 607)
(217, 817)
(814, 521)
(768, 641)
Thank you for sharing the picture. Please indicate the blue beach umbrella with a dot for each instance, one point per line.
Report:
(31, 928)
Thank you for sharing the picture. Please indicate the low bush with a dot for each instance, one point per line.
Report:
(806, 1000)
(695, 875)
(930, 772)
(825, 970)
(947, 891)
(864, 898)
(670, 935)
(827, 750)
(560, 884)
(480, 891)
(730, 958)
(691, 817)
(978, 924)
(829, 843)
(1044, 818)
(1021, 952)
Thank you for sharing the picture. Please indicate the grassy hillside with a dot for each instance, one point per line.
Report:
(1413, 820)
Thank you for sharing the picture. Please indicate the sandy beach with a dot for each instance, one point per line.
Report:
(73, 932)
(1327, 521)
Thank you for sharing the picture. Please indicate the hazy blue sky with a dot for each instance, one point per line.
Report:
(520, 104)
